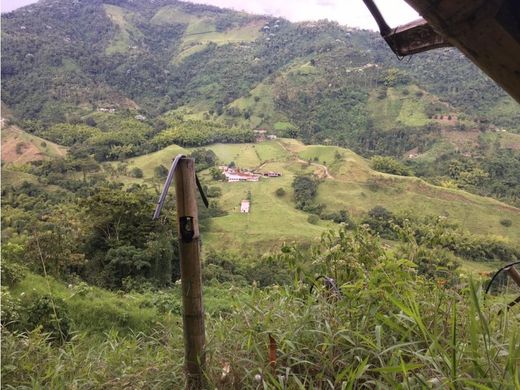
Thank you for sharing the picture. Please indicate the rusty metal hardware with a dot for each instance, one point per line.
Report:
(167, 184)
(408, 39)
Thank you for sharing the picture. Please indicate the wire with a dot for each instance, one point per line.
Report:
(498, 272)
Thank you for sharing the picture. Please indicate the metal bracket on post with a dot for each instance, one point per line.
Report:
(408, 39)
(168, 183)
(187, 232)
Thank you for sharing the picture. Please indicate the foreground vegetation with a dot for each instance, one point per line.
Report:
(90, 295)
(388, 325)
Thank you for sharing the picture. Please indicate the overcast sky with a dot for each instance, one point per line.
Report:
(349, 12)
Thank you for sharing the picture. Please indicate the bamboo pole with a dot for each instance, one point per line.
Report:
(191, 278)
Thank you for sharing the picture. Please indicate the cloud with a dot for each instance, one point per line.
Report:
(10, 5)
(348, 12)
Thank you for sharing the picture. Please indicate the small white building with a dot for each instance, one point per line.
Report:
(244, 206)
(240, 177)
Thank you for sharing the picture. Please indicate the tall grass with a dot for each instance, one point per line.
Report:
(391, 329)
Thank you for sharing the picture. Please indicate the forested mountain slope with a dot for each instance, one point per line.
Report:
(119, 78)
(64, 59)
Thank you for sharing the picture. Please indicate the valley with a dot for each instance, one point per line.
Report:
(368, 203)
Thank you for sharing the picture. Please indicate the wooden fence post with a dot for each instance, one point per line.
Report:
(190, 267)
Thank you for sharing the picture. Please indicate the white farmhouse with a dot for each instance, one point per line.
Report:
(244, 206)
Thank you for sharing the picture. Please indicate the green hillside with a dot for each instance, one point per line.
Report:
(354, 186)
(20, 147)
(194, 74)
(167, 54)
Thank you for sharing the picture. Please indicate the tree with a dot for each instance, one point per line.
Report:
(305, 189)
(123, 240)
(55, 246)
(125, 261)
(216, 174)
(136, 172)
(204, 158)
(160, 171)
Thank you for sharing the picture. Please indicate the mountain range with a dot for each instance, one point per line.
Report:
(121, 78)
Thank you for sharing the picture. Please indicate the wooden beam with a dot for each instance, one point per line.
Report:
(414, 37)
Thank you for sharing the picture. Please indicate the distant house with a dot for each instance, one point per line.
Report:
(244, 206)
(236, 175)
(107, 109)
(260, 134)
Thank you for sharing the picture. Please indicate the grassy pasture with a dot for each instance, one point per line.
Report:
(201, 30)
(406, 107)
(20, 147)
(355, 187)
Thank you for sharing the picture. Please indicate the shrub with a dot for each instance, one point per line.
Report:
(160, 171)
(506, 222)
(216, 174)
(136, 172)
(214, 192)
(10, 269)
(380, 220)
(313, 219)
(12, 273)
(51, 315)
(166, 302)
(341, 216)
(90, 122)
(280, 192)
(389, 165)
(10, 309)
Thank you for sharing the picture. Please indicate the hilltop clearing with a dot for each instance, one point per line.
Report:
(21, 147)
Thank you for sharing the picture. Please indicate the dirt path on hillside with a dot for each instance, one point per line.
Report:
(326, 172)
